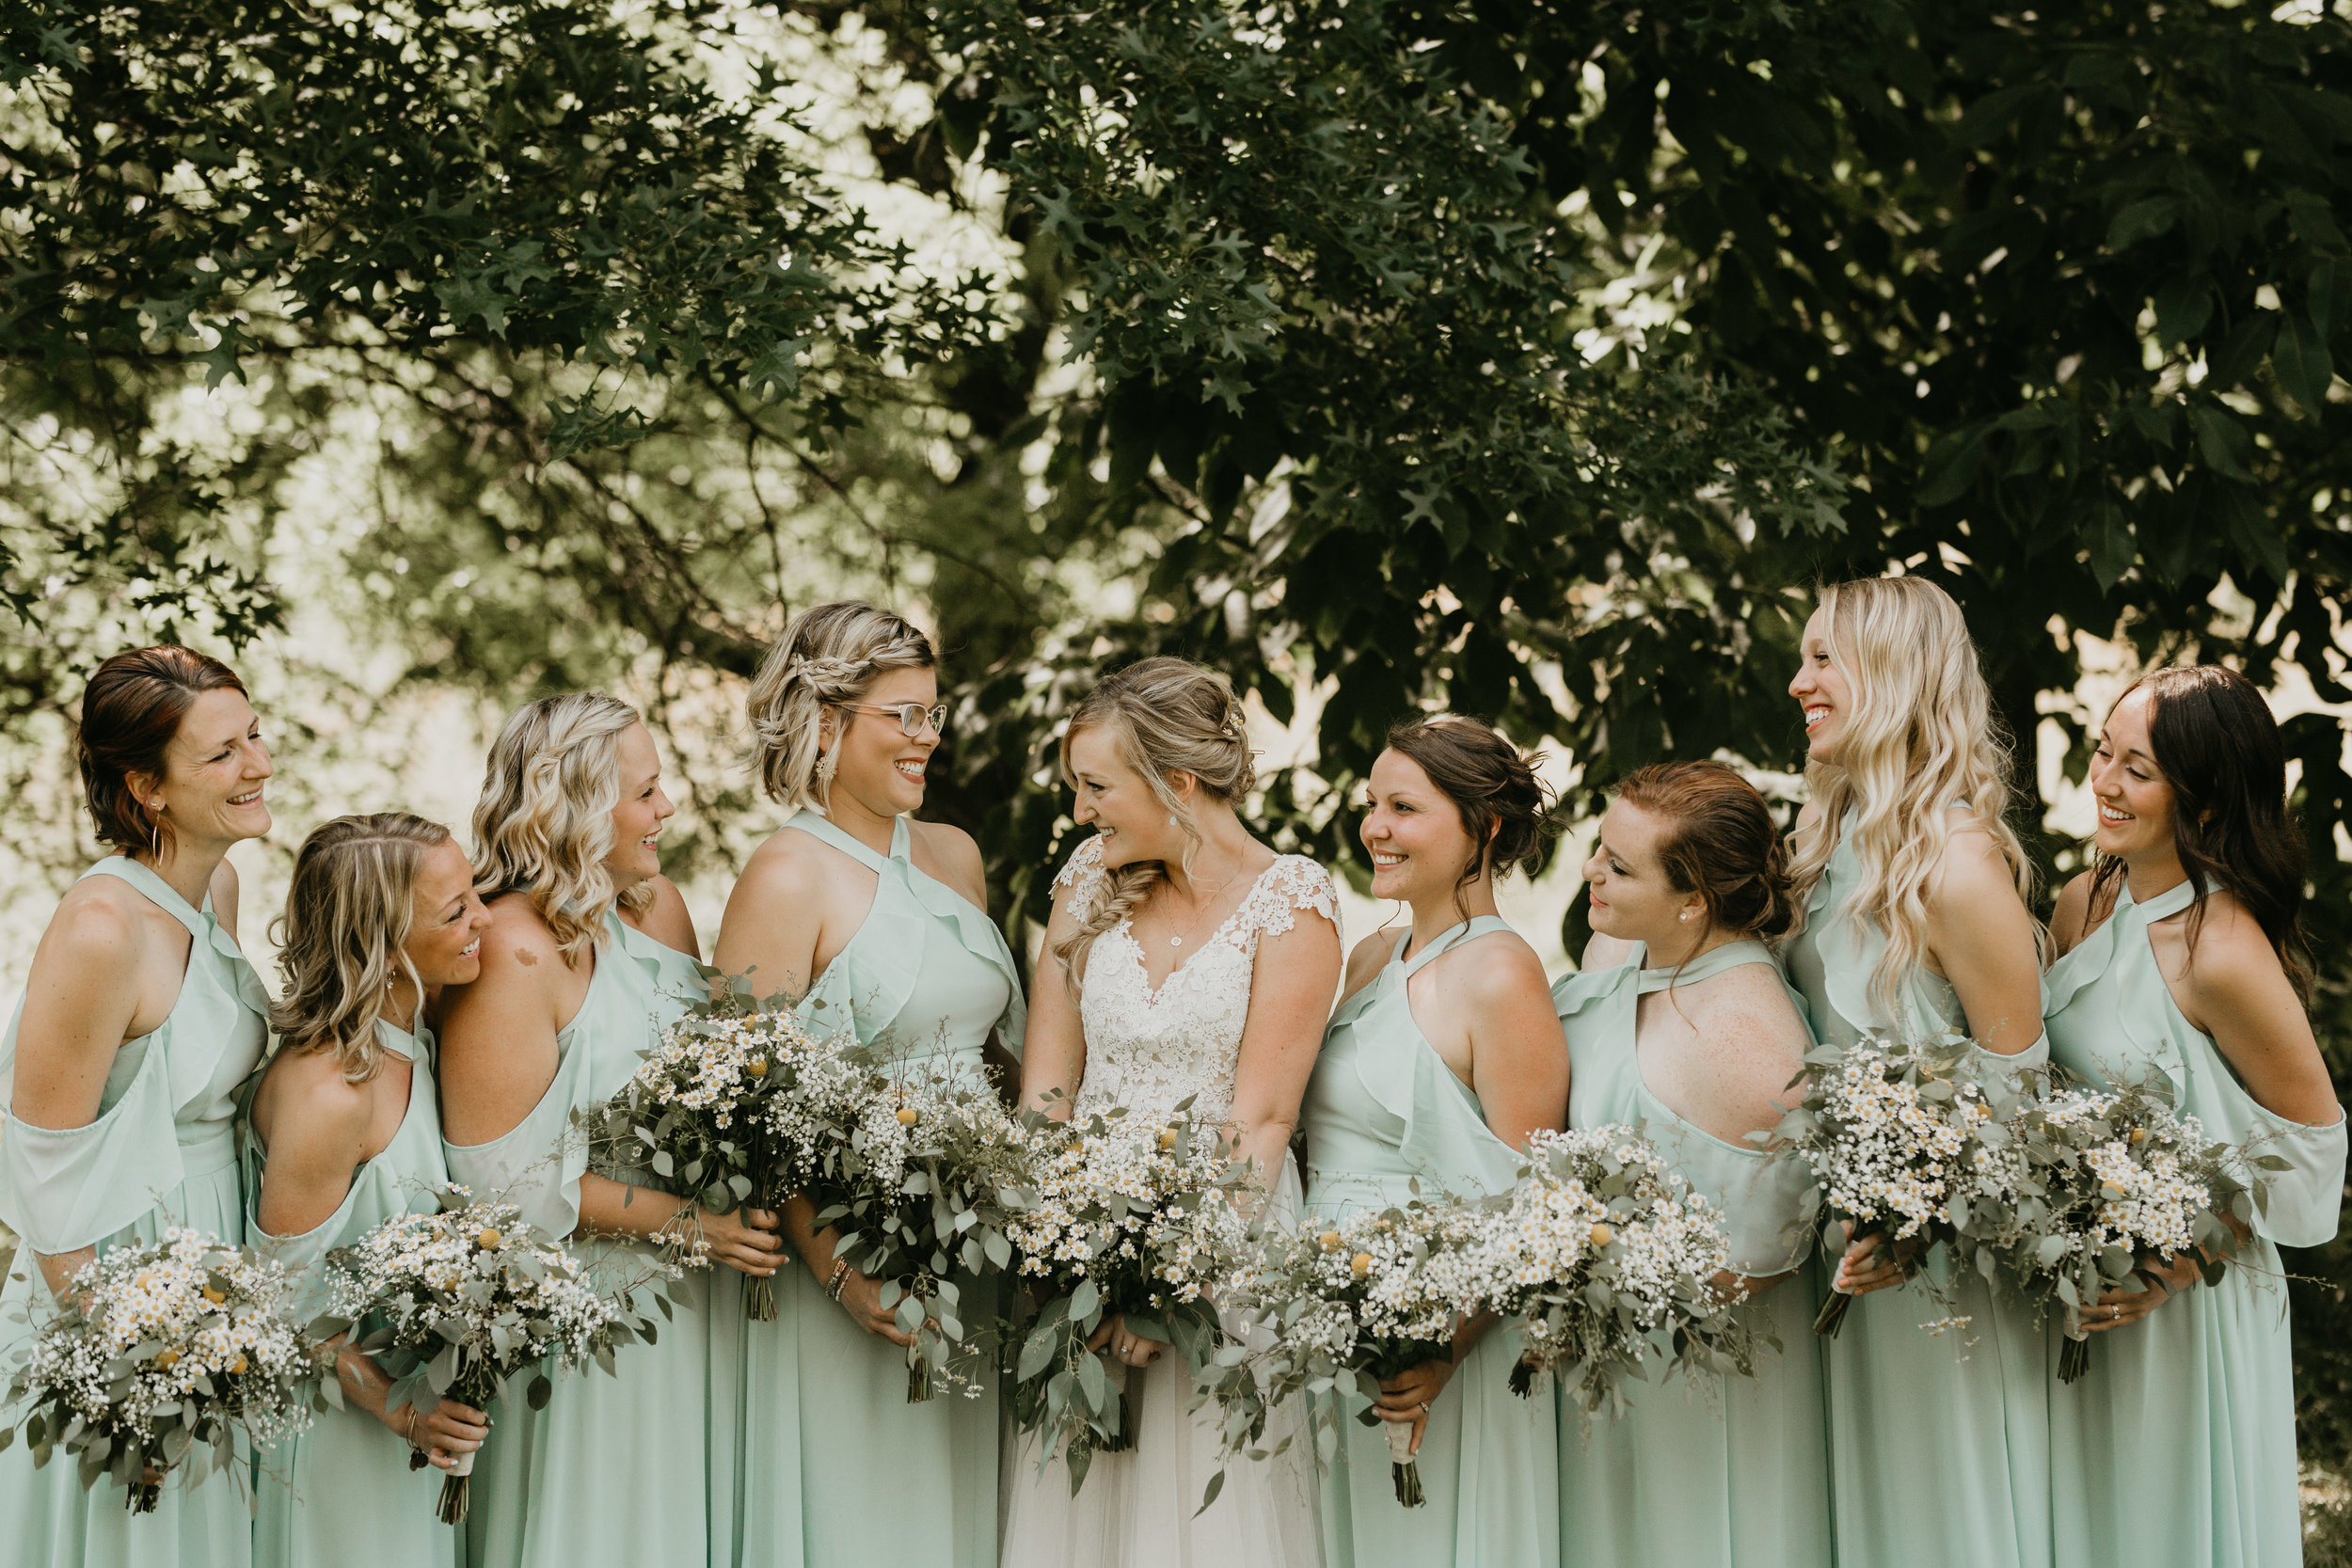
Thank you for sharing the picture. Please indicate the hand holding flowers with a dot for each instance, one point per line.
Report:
(156, 1356)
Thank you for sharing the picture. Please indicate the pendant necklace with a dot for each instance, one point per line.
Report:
(1178, 940)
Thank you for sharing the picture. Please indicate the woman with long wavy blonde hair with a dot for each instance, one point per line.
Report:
(1914, 925)
(863, 918)
(589, 953)
(345, 1133)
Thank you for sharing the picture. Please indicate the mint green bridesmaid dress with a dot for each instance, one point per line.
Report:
(617, 1471)
(1939, 1443)
(162, 1152)
(2178, 1444)
(343, 1491)
(1383, 1112)
(837, 1466)
(1739, 1478)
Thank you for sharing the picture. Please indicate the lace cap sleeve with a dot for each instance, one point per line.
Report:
(1082, 873)
(1291, 883)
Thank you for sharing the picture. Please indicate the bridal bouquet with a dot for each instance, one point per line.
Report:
(921, 1169)
(694, 1114)
(464, 1299)
(1605, 1251)
(1135, 1215)
(1893, 1133)
(2094, 1184)
(1353, 1302)
(155, 1356)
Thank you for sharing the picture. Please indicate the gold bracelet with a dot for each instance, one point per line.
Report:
(840, 1279)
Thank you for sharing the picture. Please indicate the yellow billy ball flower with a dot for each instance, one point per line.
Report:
(1167, 1137)
(756, 1067)
(1362, 1264)
(1602, 1235)
(908, 1116)
(1330, 1239)
(489, 1238)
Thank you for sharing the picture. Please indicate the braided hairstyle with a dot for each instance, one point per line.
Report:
(1166, 716)
(830, 655)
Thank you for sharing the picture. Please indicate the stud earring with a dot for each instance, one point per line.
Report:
(1684, 915)
(1171, 820)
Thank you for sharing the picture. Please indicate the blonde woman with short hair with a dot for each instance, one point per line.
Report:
(1912, 892)
(345, 1132)
(589, 951)
(862, 918)
(1186, 960)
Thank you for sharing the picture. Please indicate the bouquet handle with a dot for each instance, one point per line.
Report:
(456, 1490)
(1402, 1467)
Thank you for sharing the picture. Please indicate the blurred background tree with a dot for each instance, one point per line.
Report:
(1529, 357)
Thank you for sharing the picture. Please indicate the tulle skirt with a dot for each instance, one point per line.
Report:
(1141, 1509)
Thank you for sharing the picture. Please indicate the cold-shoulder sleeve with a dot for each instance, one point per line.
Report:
(1082, 873)
(1291, 883)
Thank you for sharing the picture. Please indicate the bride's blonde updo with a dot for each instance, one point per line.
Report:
(830, 655)
(1164, 715)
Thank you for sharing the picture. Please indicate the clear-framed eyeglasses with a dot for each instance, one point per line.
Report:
(912, 716)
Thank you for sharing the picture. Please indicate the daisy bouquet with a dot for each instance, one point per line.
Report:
(694, 1114)
(459, 1301)
(1352, 1303)
(2092, 1185)
(1610, 1258)
(1894, 1134)
(154, 1357)
(1135, 1215)
(920, 1168)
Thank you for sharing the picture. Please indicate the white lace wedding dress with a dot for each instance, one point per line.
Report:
(1148, 1050)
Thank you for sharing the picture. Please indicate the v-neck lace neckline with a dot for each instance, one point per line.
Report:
(1127, 929)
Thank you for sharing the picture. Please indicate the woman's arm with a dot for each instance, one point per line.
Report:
(2236, 991)
(774, 918)
(81, 1002)
(1981, 938)
(1054, 1051)
(1290, 1001)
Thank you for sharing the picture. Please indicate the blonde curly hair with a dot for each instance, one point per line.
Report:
(544, 824)
(1164, 715)
(1920, 740)
(830, 655)
(344, 935)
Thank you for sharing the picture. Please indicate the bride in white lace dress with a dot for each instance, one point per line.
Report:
(1205, 966)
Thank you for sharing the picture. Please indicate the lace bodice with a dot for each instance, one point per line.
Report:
(1148, 1048)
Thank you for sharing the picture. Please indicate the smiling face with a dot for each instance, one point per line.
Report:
(1631, 897)
(2136, 804)
(446, 926)
(881, 768)
(1413, 832)
(1119, 804)
(636, 853)
(1821, 691)
(214, 771)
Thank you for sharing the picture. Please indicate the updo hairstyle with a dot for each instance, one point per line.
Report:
(1721, 843)
(130, 709)
(2217, 745)
(1164, 716)
(349, 910)
(830, 655)
(544, 824)
(1504, 807)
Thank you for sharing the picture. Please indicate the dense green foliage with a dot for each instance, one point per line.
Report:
(1530, 355)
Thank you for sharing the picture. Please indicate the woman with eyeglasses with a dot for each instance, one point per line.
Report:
(861, 919)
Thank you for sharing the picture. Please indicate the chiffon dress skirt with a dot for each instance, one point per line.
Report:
(1728, 1477)
(2177, 1445)
(341, 1491)
(634, 1468)
(1939, 1443)
(1150, 1049)
(161, 1153)
(1387, 1121)
(834, 1465)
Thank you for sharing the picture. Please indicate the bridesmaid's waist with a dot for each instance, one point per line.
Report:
(206, 1147)
(1331, 1194)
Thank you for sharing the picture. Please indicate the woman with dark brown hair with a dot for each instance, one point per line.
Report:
(139, 1020)
(1680, 1021)
(1443, 1056)
(2180, 960)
